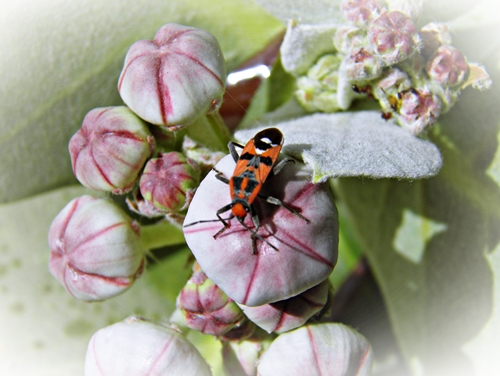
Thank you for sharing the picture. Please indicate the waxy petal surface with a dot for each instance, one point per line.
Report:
(307, 252)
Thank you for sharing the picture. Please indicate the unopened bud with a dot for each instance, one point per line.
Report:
(95, 250)
(333, 349)
(110, 149)
(174, 78)
(289, 314)
(169, 182)
(140, 348)
(317, 91)
(206, 307)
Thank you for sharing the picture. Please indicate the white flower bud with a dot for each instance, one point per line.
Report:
(135, 347)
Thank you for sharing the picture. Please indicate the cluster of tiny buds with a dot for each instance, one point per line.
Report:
(380, 40)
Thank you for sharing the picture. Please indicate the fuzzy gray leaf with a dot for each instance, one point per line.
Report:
(356, 144)
(303, 44)
(311, 11)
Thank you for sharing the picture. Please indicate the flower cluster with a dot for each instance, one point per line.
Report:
(169, 82)
(414, 74)
(268, 271)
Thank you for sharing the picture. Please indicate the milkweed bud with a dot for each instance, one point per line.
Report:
(333, 349)
(289, 314)
(307, 252)
(169, 182)
(94, 249)
(140, 348)
(110, 149)
(206, 307)
(174, 78)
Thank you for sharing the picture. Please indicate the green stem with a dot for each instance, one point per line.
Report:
(210, 131)
(161, 234)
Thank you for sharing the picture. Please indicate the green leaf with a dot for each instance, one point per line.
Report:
(61, 59)
(44, 330)
(483, 349)
(356, 144)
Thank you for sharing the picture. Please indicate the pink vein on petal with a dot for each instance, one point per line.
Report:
(252, 279)
(304, 249)
(98, 365)
(363, 359)
(160, 355)
(163, 94)
(314, 350)
(117, 281)
(199, 63)
(282, 316)
(129, 63)
(99, 169)
(97, 234)
(67, 218)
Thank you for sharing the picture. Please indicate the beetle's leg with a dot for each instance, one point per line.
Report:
(275, 201)
(220, 176)
(255, 235)
(226, 224)
(279, 166)
(232, 149)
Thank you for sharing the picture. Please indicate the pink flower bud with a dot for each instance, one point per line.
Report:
(174, 78)
(169, 181)
(361, 12)
(140, 348)
(315, 350)
(304, 253)
(206, 307)
(95, 250)
(289, 314)
(137, 204)
(393, 36)
(110, 149)
(448, 66)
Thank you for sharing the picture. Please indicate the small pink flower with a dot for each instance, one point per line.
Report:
(448, 66)
(393, 36)
(418, 109)
(95, 249)
(361, 12)
(304, 253)
(110, 149)
(174, 78)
